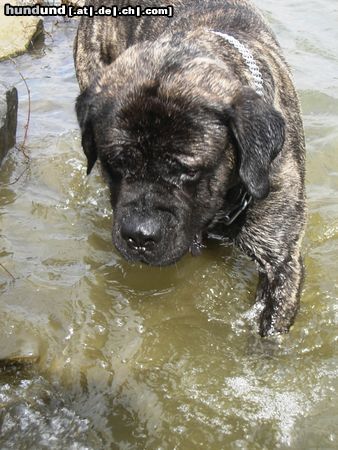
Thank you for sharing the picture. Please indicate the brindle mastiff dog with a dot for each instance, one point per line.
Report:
(196, 124)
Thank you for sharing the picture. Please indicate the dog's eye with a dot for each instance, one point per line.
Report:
(114, 173)
(190, 175)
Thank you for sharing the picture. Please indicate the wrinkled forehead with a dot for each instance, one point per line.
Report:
(154, 127)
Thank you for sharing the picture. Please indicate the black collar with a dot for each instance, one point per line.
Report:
(243, 201)
(236, 202)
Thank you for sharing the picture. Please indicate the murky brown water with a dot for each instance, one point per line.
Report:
(137, 357)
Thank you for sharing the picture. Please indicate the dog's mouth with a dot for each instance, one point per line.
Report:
(166, 252)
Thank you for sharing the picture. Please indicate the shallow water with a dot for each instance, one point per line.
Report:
(134, 357)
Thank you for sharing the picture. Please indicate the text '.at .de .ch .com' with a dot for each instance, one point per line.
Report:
(67, 10)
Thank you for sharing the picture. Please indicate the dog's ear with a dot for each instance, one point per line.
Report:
(259, 131)
(85, 116)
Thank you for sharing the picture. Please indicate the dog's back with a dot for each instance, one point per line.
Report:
(116, 34)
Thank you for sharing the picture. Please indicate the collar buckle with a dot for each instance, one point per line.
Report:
(231, 215)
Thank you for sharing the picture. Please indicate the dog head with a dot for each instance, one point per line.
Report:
(170, 150)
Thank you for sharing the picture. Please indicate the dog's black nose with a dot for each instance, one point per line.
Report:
(141, 235)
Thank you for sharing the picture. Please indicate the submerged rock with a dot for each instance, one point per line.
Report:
(8, 118)
(16, 351)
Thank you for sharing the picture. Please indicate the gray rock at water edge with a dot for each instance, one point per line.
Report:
(8, 118)
(17, 34)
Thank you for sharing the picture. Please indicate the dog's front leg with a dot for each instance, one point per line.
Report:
(278, 293)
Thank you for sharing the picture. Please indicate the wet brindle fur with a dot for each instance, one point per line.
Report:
(170, 110)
